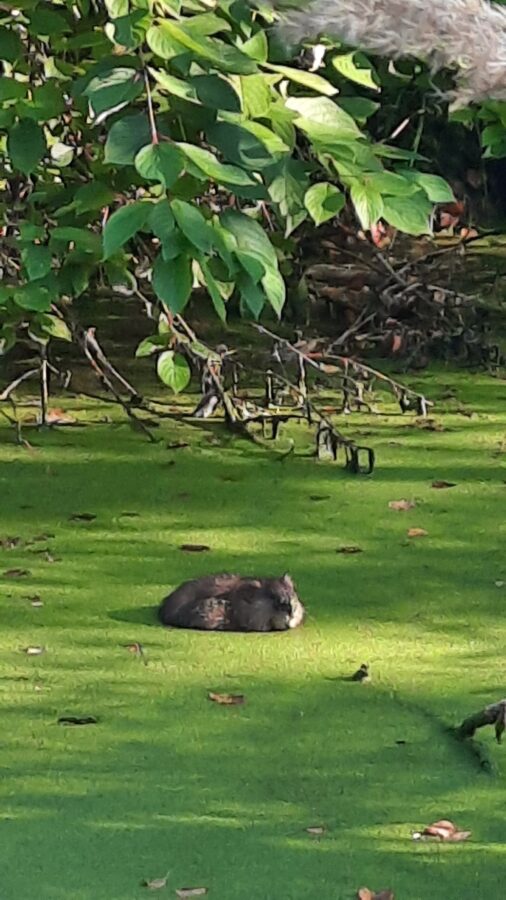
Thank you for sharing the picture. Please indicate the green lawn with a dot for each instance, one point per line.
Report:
(221, 797)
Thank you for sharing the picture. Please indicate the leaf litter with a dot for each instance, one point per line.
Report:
(191, 892)
(365, 893)
(442, 830)
(417, 532)
(402, 505)
(226, 699)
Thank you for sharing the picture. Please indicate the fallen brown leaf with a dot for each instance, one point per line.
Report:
(402, 504)
(82, 517)
(443, 830)
(226, 699)
(9, 543)
(16, 573)
(59, 417)
(417, 532)
(316, 829)
(365, 894)
(155, 884)
(443, 484)
(191, 892)
(194, 548)
(33, 651)
(352, 548)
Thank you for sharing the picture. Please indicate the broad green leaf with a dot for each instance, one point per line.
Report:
(11, 47)
(54, 327)
(33, 297)
(26, 145)
(123, 224)
(152, 344)
(161, 220)
(117, 8)
(215, 92)
(160, 162)
(173, 370)
(37, 260)
(323, 201)
(251, 293)
(48, 23)
(240, 146)
(251, 264)
(256, 96)
(436, 188)
(172, 281)
(213, 289)
(112, 90)
(275, 289)
(83, 239)
(93, 196)
(206, 24)
(408, 214)
(250, 237)
(322, 119)
(306, 79)
(193, 225)
(175, 86)
(360, 108)
(390, 183)
(256, 47)
(61, 154)
(212, 168)
(10, 89)
(346, 66)
(225, 57)
(368, 203)
(126, 138)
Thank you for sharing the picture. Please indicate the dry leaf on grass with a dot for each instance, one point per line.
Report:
(417, 532)
(82, 517)
(59, 417)
(191, 892)
(16, 573)
(226, 699)
(77, 720)
(443, 830)
(155, 884)
(349, 550)
(316, 829)
(402, 505)
(194, 548)
(366, 894)
(439, 485)
(33, 651)
(10, 543)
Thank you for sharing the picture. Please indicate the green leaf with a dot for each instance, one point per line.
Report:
(165, 38)
(117, 8)
(346, 66)
(256, 47)
(240, 146)
(408, 214)
(176, 86)
(37, 260)
(368, 203)
(214, 291)
(172, 281)
(61, 154)
(54, 327)
(161, 220)
(84, 240)
(323, 201)
(256, 96)
(390, 183)
(10, 89)
(152, 345)
(252, 294)
(48, 23)
(251, 264)
(33, 297)
(112, 90)
(212, 168)
(173, 370)
(307, 79)
(11, 48)
(275, 289)
(193, 225)
(322, 119)
(123, 224)
(160, 162)
(126, 138)
(436, 188)
(250, 237)
(360, 108)
(26, 145)
(216, 92)
(206, 24)
(93, 196)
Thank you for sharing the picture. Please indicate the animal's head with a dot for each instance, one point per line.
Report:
(287, 601)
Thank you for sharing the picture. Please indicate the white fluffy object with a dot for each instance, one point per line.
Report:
(467, 34)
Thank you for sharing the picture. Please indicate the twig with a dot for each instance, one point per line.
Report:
(31, 373)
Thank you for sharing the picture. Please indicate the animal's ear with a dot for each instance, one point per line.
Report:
(288, 581)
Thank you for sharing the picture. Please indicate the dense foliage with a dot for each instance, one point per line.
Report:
(171, 143)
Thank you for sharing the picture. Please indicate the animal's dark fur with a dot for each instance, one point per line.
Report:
(233, 603)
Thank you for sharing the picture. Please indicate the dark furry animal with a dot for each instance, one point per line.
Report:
(232, 603)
